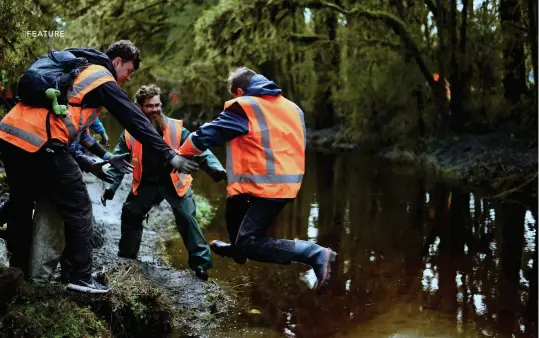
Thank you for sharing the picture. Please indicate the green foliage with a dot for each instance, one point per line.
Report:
(137, 306)
(205, 211)
(40, 312)
(371, 67)
(137, 296)
(17, 48)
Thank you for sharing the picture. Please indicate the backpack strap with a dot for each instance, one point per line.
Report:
(48, 124)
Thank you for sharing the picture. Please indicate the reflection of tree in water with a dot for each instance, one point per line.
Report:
(386, 234)
(391, 230)
(479, 256)
(510, 220)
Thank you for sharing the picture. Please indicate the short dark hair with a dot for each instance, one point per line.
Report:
(146, 92)
(240, 78)
(125, 50)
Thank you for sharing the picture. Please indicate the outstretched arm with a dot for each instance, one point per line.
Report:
(231, 123)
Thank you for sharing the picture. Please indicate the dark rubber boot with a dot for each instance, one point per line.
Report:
(225, 250)
(317, 257)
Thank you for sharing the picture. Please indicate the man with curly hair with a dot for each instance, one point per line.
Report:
(153, 184)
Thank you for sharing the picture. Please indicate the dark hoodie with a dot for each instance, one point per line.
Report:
(233, 121)
(111, 96)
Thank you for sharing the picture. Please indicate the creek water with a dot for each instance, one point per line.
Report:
(418, 257)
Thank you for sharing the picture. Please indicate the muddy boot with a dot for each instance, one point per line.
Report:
(225, 250)
(201, 274)
(319, 258)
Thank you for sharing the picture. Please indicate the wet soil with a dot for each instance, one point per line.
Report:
(196, 299)
(149, 296)
(499, 160)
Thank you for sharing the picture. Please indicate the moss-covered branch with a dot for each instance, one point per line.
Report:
(396, 24)
(305, 39)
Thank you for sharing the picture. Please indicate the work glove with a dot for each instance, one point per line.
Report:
(108, 194)
(121, 163)
(221, 176)
(184, 165)
(97, 170)
(104, 140)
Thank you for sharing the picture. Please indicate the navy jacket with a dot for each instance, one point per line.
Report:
(233, 121)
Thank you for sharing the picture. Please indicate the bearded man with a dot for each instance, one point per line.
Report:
(154, 183)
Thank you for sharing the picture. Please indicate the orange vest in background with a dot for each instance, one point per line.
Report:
(26, 127)
(173, 136)
(268, 161)
(436, 77)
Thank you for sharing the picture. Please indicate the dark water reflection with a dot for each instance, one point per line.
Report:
(417, 258)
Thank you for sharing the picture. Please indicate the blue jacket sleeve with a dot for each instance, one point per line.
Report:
(86, 140)
(207, 160)
(82, 160)
(97, 127)
(231, 123)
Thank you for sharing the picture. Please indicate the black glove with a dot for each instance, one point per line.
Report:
(104, 140)
(105, 177)
(97, 170)
(184, 165)
(108, 194)
(121, 163)
(221, 176)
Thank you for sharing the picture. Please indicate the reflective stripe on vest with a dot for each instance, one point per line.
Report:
(270, 176)
(22, 134)
(174, 144)
(26, 127)
(181, 180)
(84, 84)
(73, 134)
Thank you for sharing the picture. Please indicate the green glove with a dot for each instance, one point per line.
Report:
(53, 94)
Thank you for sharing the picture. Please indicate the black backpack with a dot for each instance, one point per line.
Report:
(57, 70)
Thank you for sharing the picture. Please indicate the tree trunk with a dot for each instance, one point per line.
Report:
(532, 34)
(455, 70)
(327, 62)
(463, 90)
(440, 95)
(514, 80)
(459, 67)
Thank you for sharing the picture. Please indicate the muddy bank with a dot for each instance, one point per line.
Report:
(498, 159)
(149, 297)
(188, 294)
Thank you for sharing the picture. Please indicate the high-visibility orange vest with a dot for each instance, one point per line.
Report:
(173, 136)
(436, 77)
(268, 161)
(26, 127)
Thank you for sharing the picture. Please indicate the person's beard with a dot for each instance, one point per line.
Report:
(158, 121)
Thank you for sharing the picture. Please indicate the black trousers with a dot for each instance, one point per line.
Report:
(248, 219)
(50, 172)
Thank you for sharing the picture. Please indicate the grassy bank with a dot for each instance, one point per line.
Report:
(136, 307)
(148, 299)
